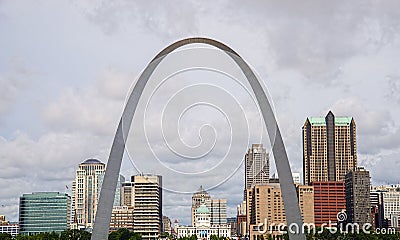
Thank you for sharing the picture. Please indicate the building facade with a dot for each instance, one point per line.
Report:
(7, 227)
(305, 194)
(391, 203)
(256, 166)
(217, 207)
(329, 148)
(166, 225)
(329, 200)
(41, 212)
(203, 228)
(128, 194)
(377, 210)
(197, 199)
(85, 193)
(241, 219)
(147, 205)
(121, 217)
(357, 188)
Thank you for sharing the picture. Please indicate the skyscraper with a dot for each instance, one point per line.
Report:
(147, 214)
(329, 148)
(357, 187)
(85, 192)
(41, 212)
(256, 165)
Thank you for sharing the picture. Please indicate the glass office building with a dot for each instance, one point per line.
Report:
(44, 212)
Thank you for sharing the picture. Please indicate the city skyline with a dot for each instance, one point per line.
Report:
(64, 84)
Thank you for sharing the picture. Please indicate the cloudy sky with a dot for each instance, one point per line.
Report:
(66, 68)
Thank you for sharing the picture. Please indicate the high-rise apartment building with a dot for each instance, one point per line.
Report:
(256, 166)
(85, 192)
(357, 187)
(329, 200)
(147, 205)
(329, 148)
(41, 212)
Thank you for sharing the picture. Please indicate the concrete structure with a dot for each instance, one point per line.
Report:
(264, 206)
(377, 209)
(217, 206)
(121, 217)
(166, 225)
(357, 188)
(41, 212)
(203, 228)
(148, 206)
(85, 192)
(232, 222)
(306, 202)
(198, 197)
(329, 200)
(117, 150)
(7, 227)
(329, 148)
(391, 203)
(128, 194)
(256, 166)
(242, 219)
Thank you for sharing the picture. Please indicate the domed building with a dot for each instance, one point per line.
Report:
(202, 227)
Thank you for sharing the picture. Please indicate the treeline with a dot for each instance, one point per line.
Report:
(121, 234)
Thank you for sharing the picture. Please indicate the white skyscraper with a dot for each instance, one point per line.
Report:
(85, 192)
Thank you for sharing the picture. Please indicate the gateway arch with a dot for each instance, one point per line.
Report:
(105, 205)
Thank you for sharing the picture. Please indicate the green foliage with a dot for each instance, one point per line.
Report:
(124, 234)
(5, 236)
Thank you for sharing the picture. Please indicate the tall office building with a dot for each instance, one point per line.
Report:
(329, 148)
(128, 194)
(256, 165)
(305, 194)
(41, 212)
(85, 192)
(118, 198)
(391, 203)
(329, 200)
(377, 210)
(357, 187)
(147, 214)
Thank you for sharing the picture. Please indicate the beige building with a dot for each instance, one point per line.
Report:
(128, 194)
(121, 217)
(202, 227)
(147, 206)
(305, 195)
(266, 212)
(217, 207)
(329, 148)
(85, 192)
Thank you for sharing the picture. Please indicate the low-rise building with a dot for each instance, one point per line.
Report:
(121, 217)
(203, 228)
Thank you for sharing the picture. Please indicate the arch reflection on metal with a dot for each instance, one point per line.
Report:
(105, 205)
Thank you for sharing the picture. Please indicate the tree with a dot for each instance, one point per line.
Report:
(74, 234)
(5, 236)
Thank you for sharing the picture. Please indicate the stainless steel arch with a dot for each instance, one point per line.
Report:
(104, 209)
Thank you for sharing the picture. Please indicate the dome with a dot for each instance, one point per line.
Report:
(91, 161)
(202, 209)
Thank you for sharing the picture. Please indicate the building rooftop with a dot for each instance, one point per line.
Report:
(202, 209)
(320, 121)
(92, 161)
